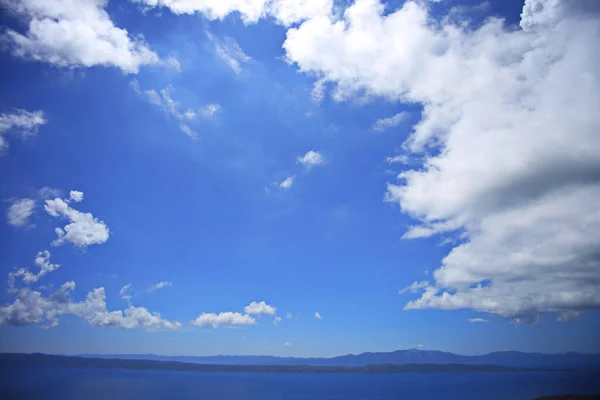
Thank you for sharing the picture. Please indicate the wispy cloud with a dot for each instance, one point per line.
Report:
(23, 122)
(477, 320)
(230, 52)
(19, 211)
(286, 183)
(386, 123)
(159, 285)
(318, 316)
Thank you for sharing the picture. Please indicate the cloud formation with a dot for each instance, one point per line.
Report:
(386, 123)
(231, 53)
(164, 100)
(159, 285)
(125, 292)
(311, 159)
(76, 196)
(42, 261)
(31, 307)
(24, 122)
(82, 230)
(507, 140)
(477, 320)
(74, 33)
(255, 308)
(286, 183)
(318, 316)
(286, 12)
(223, 319)
(19, 211)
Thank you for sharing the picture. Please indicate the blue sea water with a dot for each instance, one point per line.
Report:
(91, 384)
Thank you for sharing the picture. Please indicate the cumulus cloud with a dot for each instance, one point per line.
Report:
(507, 140)
(286, 12)
(42, 261)
(83, 228)
(318, 316)
(159, 285)
(476, 320)
(386, 123)
(255, 308)
(286, 183)
(311, 159)
(74, 33)
(223, 319)
(19, 211)
(76, 196)
(23, 122)
(277, 320)
(31, 307)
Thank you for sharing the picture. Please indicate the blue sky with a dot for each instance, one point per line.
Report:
(207, 212)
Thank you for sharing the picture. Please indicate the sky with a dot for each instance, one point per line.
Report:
(299, 177)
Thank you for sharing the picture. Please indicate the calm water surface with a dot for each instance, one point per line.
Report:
(91, 384)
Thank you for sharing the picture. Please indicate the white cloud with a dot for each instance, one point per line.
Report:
(318, 92)
(159, 285)
(286, 183)
(19, 211)
(42, 261)
(76, 196)
(512, 118)
(399, 159)
(385, 123)
(288, 315)
(255, 308)
(75, 33)
(477, 320)
(249, 10)
(165, 101)
(223, 319)
(172, 63)
(318, 316)
(287, 344)
(49, 193)
(209, 110)
(420, 346)
(125, 292)
(414, 287)
(26, 123)
(31, 307)
(311, 159)
(188, 131)
(83, 229)
(277, 320)
(286, 12)
(231, 53)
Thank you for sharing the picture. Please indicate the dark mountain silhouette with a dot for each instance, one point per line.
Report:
(412, 356)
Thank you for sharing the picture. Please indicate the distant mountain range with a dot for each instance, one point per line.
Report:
(412, 356)
(15, 360)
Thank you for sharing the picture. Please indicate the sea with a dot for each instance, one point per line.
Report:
(91, 384)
